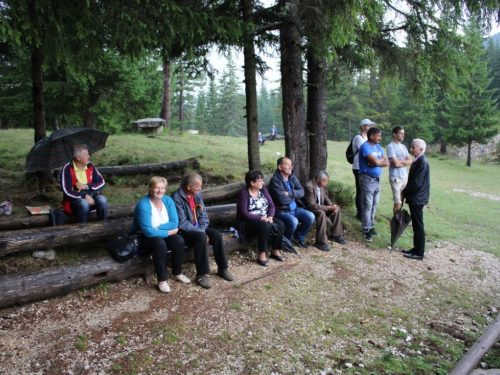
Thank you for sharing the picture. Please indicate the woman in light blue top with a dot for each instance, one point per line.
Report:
(155, 217)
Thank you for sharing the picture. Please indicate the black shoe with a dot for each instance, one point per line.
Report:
(322, 246)
(373, 232)
(203, 282)
(225, 274)
(279, 258)
(300, 243)
(413, 256)
(408, 251)
(263, 263)
(367, 237)
(339, 239)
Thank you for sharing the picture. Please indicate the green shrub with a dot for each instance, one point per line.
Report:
(344, 195)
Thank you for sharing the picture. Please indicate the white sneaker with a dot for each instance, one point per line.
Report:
(182, 279)
(164, 287)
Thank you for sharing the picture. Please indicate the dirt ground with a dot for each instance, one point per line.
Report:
(342, 311)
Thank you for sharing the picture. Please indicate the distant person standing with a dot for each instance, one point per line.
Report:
(357, 141)
(262, 140)
(416, 194)
(371, 162)
(273, 133)
(399, 158)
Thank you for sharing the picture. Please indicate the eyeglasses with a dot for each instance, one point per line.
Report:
(259, 180)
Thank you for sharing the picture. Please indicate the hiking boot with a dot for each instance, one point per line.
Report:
(322, 246)
(339, 239)
(203, 282)
(225, 275)
(367, 237)
(373, 232)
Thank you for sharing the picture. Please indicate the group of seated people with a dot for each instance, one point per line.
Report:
(168, 224)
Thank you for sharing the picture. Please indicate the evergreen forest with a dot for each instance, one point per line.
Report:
(103, 64)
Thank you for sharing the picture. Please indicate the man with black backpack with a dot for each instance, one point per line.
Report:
(356, 142)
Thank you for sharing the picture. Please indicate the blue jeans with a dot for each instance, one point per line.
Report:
(370, 189)
(292, 219)
(81, 208)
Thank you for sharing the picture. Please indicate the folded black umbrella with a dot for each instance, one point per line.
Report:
(287, 245)
(399, 222)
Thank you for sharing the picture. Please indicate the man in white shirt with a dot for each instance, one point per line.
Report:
(357, 141)
(399, 158)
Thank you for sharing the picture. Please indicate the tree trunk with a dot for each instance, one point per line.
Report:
(469, 158)
(37, 76)
(251, 91)
(87, 233)
(127, 170)
(293, 112)
(316, 113)
(442, 149)
(89, 120)
(33, 286)
(165, 102)
(349, 102)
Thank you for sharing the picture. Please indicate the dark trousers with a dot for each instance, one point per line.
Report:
(262, 229)
(159, 247)
(359, 198)
(417, 219)
(198, 240)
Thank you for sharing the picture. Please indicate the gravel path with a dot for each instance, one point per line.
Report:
(331, 311)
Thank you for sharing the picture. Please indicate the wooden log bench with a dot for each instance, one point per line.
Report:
(25, 221)
(87, 233)
(21, 288)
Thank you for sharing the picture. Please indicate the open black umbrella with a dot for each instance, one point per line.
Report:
(399, 222)
(57, 149)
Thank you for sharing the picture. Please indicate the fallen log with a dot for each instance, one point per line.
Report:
(25, 221)
(87, 233)
(20, 288)
(158, 168)
(225, 192)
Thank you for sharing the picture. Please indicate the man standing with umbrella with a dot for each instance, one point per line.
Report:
(82, 183)
(399, 158)
(416, 194)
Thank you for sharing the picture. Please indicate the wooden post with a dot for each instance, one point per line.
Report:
(478, 350)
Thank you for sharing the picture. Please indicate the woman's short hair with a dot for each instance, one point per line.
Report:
(252, 176)
(156, 180)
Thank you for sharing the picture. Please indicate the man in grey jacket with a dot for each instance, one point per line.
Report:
(287, 192)
(195, 231)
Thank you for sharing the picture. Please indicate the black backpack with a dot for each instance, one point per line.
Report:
(349, 154)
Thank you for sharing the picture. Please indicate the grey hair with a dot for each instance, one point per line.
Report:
(189, 179)
(77, 150)
(322, 174)
(421, 144)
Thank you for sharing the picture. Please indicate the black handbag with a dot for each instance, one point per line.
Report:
(124, 246)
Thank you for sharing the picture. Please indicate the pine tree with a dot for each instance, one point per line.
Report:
(472, 112)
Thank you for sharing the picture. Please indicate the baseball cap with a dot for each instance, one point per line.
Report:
(366, 122)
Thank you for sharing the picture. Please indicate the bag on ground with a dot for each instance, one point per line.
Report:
(124, 246)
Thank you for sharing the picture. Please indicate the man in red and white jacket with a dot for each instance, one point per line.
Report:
(81, 183)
